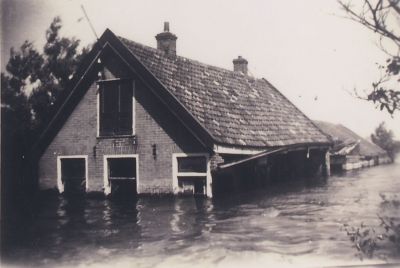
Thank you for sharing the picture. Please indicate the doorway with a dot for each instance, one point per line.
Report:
(121, 175)
(72, 175)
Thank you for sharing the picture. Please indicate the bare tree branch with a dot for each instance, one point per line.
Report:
(377, 15)
(395, 4)
(377, 20)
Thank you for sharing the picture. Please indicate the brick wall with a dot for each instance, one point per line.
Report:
(76, 137)
(155, 125)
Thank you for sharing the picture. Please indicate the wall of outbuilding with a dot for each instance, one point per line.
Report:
(263, 172)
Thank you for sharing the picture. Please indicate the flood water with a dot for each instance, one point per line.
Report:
(296, 224)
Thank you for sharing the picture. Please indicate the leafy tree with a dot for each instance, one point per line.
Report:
(35, 80)
(384, 138)
(16, 117)
(34, 85)
(382, 17)
(61, 59)
(381, 240)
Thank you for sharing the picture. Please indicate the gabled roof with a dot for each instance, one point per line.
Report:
(236, 109)
(344, 137)
(218, 106)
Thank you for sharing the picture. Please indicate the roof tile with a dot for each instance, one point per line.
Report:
(236, 109)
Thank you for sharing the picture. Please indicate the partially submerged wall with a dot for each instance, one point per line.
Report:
(272, 169)
(156, 127)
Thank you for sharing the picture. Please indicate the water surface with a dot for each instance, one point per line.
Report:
(293, 224)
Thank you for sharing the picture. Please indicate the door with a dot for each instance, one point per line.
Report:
(122, 176)
(73, 175)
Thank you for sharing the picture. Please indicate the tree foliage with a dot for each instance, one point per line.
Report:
(35, 80)
(34, 84)
(382, 17)
(381, 240)
(384, 138)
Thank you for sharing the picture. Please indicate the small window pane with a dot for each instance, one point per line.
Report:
(125, 123)
(192, 164)
(192, 185)
(110, 98)
(126, 97)
(107, 124)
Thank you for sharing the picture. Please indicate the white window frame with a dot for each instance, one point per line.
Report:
(60, 185)
(107, 186)
(176, 174)
(133, 104)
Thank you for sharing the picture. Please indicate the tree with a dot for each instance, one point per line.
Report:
(35, 81)
(382, 17)
(61, 59)
(384, 138)
(34, 85)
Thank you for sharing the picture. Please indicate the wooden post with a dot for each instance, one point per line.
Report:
(327, 163)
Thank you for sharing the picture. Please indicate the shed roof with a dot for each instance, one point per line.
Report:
(236, 109)
(342, 136)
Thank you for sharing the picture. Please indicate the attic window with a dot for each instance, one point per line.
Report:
(116, 108)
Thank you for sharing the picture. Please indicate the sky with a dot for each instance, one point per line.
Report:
(305, 48)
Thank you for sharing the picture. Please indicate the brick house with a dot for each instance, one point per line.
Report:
(149, 121)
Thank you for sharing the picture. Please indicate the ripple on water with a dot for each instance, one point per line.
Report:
(287, 224)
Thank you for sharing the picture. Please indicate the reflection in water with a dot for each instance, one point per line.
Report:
(290, 223)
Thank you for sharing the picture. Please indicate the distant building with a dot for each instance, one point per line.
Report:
(350, 151)
(145, 120)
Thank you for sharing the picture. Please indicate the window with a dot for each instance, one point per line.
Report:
(191, 174)
(192, 164)
(116, 108)
(192, 185)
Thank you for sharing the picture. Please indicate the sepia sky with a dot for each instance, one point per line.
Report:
(305, 48)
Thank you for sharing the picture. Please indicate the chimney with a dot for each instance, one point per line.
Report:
(166, 41)
(240, 65)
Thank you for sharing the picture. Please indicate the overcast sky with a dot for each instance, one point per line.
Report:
(305, 48)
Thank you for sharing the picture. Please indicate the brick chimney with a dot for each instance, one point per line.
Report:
(240, 65)
(166, 41)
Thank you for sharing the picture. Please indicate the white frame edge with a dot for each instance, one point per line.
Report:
(133, 107)
(221, 149)
(98, 108)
